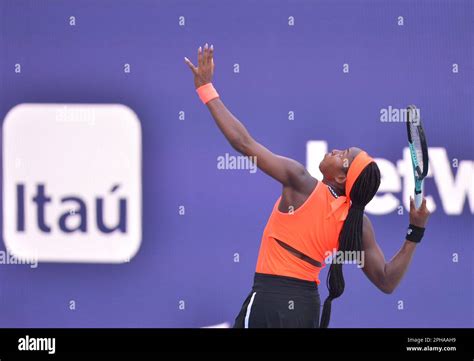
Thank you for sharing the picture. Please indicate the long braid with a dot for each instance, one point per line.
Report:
(350, 238)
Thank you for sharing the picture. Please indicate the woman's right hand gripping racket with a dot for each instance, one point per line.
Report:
(418, 151)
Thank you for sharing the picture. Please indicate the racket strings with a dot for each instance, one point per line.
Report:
(416, 141)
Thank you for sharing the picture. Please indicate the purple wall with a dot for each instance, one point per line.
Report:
(282, 68)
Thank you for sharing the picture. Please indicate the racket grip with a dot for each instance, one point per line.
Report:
(418, 199)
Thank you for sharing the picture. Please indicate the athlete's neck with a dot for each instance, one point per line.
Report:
(338, 188)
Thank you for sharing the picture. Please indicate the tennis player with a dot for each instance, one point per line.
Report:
(310, 220)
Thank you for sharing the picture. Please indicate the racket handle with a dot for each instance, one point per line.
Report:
(418, 199)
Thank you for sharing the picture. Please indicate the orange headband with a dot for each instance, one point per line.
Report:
(357, 166)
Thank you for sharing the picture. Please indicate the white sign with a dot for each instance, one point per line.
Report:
(72, 182)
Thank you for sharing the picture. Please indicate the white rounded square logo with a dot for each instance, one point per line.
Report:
(72, 182)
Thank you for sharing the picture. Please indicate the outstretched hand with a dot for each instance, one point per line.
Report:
(419, 217)
(205, 69)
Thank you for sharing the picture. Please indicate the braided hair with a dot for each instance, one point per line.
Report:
(350, 238)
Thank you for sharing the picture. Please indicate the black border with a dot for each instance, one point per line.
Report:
(315, 341)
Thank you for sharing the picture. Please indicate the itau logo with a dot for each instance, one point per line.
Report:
(72, 182)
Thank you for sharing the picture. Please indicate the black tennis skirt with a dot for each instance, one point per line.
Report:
(280, 302)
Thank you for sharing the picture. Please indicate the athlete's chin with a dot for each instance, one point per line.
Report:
(322, 167)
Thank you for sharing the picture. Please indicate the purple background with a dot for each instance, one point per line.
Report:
(282, 68)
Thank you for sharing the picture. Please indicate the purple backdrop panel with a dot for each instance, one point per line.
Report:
(293, 72)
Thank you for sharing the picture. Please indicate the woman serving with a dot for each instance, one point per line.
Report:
(310, 219)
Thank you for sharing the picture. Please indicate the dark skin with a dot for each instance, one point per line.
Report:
(298, 184)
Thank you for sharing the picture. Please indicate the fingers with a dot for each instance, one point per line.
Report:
(205, 57)
(191, 65)
(200, 57)
(206, 54)
(412, 204)
(423, 203)
(424, 207)
(211, 55)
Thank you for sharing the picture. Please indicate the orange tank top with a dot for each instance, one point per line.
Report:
(312, 229)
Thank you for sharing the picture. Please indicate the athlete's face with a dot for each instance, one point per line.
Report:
(335, 164)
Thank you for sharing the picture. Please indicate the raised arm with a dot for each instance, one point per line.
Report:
(387, 275)
(287, 171)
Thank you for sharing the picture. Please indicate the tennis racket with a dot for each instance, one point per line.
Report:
(418, 151)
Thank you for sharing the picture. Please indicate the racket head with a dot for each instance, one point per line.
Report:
(417, 142)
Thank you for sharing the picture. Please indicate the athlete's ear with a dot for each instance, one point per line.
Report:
(341, 178)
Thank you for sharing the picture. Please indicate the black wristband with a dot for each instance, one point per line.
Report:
(414, 233)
